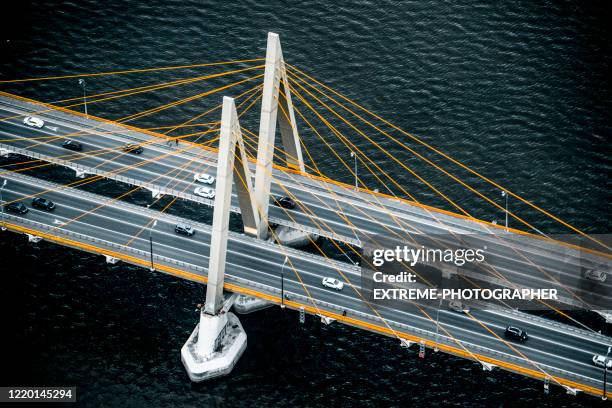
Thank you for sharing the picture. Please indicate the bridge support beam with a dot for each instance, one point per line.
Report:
(275, 77)
(34, 238)
(219, 340)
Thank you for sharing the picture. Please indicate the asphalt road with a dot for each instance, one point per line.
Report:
(553, 348)
(323, 208)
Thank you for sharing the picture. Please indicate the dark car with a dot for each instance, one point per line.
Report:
(132, 148)
(515, 333)
(43, 204)
(72, 145)
(184, 229)
(18, 208)
(285, 202)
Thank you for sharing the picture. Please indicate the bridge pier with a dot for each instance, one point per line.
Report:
(327, 320)
(111, 260)
(406, 343)
(78, 172)
(570, 390)
(606, 314)
(292, 237)
(218, 341)
(155, 194)
(487, 366)
(215, 345)
(247, 304)
(34, 238)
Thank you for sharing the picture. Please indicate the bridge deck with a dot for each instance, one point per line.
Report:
(254, 268)
(524, 261)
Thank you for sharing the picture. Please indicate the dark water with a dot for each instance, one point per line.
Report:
(520, 91)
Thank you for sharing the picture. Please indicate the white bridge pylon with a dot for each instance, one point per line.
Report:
(271, 99)
(231, 149)
(219, 339)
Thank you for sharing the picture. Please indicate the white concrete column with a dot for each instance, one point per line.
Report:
(230, 145)
(274, 71)
(220, 226)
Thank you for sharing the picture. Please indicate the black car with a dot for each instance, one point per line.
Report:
(285, 202)
(132, 148)
(515, 333)
(43, 204)
(18, 208)
(184, 229)
(72, 145)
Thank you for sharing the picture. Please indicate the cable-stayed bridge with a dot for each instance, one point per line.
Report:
(556, 353)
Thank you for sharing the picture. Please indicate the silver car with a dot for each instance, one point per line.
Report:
(602, 361)
(33, 121)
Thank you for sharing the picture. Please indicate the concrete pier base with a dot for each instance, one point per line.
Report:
(214, 347)
(246, 304)
(292, 237)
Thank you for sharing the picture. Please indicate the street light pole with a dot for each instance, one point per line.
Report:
(1, 199)
(505, 194)
(354, 156)
(151, 243)
(82, 83)
(604, 396)
(438, 323)
(283, 283)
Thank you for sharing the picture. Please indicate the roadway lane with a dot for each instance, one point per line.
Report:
(552, 346)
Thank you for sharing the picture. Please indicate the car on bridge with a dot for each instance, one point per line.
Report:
(72, 145)
(184, 229)
(16, 207)
(34, 122)
(514, 333)
(203, 178)
(205, 192)
(132, 148)
(332, 283)
(602, 361)
(43, 204)
(284, 202)
(595, 275)
(458, 307)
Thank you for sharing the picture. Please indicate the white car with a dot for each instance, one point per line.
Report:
(458, 307)
(592, 274)
(204, 192)
(600, 360)
(332, 283)
(204, 178)
(34, 122)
